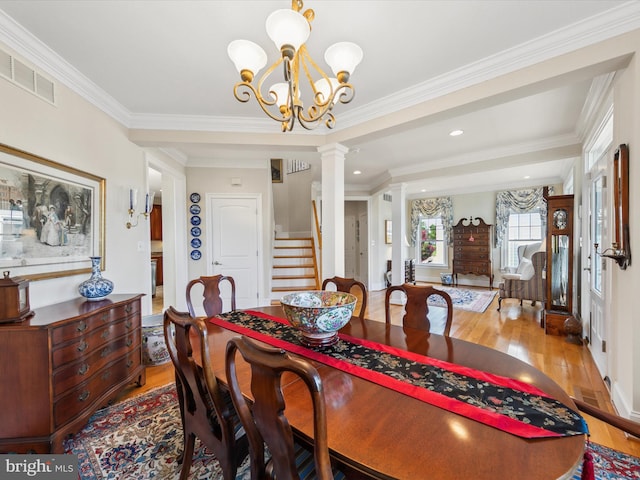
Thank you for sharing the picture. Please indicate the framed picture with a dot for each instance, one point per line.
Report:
(387, 232)
(51, 216)
(276, 170)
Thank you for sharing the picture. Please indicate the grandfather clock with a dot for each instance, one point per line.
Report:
(559, 277)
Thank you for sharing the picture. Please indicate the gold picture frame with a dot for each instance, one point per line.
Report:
(388, 234)
(53, 216)
(276, 170)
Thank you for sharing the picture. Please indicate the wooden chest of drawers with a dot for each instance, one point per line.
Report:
(472, 249)
(62, 365)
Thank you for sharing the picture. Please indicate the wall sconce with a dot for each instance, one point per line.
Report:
(620, 250)
(132, 201)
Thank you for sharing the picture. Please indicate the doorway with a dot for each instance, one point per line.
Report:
(235, 247)
(596, 231)
(356, 231)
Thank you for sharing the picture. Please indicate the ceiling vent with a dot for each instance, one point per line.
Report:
(387, 197)
(26, 77)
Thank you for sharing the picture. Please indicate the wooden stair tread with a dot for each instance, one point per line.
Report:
(292, 277)
(293, 289)
(293, 266)
(292, 256)
(294, 247)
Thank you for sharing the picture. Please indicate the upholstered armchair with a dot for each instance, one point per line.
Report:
(528, 282)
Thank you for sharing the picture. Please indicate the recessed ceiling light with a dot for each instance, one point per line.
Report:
(455, 133)
(527, 176)
(357, 172)
(423, 190)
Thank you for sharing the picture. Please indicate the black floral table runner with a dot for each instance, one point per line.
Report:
(504, 403)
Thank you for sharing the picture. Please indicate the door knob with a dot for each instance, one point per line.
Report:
(217, 263)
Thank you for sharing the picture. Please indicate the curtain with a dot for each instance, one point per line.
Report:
(432, 207)
(518, 201)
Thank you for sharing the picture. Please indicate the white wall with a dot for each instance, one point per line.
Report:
(625, 322)
(218, 180)
(77, 134)
(292, 212)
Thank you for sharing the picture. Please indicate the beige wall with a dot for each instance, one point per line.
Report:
(624, 323)
(292, 203)
(76, 133)
(218, 180)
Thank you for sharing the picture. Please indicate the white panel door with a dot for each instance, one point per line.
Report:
(598, 274)
(234, 223)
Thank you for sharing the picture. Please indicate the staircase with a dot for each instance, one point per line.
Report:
(294, 267)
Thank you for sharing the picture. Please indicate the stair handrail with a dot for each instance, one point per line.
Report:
(317, 252)
(318, 229)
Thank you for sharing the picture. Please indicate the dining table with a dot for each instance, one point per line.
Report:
(379, 432)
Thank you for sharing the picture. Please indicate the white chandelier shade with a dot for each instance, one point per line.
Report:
(287, 27)
(343, 57)
(247, 55)
(280, 93)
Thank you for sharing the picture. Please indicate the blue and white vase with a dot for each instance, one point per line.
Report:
(95, 287)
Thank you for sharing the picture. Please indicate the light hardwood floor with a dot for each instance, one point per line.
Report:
(516, 331)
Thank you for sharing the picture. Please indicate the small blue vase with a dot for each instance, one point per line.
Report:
(95, 287)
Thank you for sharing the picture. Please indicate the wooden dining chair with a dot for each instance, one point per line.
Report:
(212, 302)
(205, 407)
(345, 285)
(417, 308)
(264, 421)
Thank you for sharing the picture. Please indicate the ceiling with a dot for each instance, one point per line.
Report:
(161, 69)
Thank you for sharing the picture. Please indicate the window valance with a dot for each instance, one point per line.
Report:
(518, 201)
(432, 207)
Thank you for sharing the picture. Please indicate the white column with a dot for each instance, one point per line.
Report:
(398, 232)
(333, 158)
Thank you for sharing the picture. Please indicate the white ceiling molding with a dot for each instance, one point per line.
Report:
(484, 155)
(598, 92)
(611, 23)
(204, 123)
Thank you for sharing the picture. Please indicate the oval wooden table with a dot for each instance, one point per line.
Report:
(387, 435)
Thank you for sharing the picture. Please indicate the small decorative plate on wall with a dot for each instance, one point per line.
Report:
(196, 243)
(195, 220)
(196, 255)
(195, 197)
(195, 231)
(194, 209)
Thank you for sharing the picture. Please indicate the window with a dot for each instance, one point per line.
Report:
(523, 228)
(431, 244)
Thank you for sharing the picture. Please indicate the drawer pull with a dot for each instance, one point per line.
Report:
(82, 326)
(129, 342)
(84, 395)
(106, 375)
(83, 346)
(128, 308)
(104, 334)
(105, 317)
(105, 351)
(129, 363)
(128, 323)
(84, 368)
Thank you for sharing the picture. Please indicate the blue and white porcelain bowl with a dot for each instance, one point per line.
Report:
(318, 314)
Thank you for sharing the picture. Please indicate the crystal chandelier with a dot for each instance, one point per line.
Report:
(289, 30)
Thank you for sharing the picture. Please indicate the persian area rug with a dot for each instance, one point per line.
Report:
(465, 299)
(140, 439)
